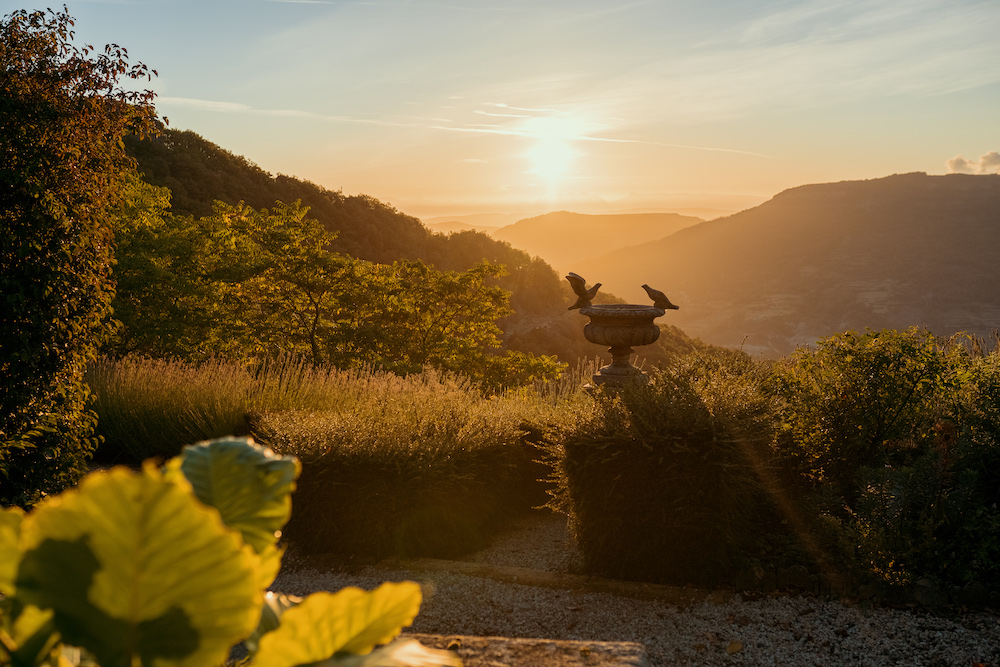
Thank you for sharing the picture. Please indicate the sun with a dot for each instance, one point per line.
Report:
(552, 152)
(550, 158)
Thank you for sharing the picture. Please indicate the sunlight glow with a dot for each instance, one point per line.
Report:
(552, 154)
(550, 158)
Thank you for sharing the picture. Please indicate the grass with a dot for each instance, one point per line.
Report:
(416, 465)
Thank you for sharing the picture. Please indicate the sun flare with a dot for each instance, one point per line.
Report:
(550, 158)
(552, 153)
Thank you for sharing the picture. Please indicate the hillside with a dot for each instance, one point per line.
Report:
(905, 250)
(566, 239)
(198, 172)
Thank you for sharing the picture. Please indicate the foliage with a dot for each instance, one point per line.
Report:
(863, 399)
(151, 568)
(63, 112)
(661, 482)
(898, 434)
(152, 407)
(199, 173)
(163, 301)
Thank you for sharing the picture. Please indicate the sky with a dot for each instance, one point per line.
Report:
(456, 107)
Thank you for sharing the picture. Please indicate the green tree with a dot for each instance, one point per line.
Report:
(284, 284)
(161, 297)
(63, 114)
(446, 318)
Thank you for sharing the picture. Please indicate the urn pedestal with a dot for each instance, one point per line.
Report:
(621, 327)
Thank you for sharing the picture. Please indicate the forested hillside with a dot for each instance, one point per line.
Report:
(198, 172)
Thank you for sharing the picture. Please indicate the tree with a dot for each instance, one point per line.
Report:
(62, 118)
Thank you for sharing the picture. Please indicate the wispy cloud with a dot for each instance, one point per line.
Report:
(529, 131)
(204, 105)
(501, 115)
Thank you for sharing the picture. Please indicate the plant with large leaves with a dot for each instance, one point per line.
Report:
(170, 567)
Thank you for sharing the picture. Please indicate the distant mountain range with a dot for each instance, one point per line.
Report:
(894, 252)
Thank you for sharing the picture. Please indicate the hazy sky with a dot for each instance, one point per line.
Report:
(462, 106)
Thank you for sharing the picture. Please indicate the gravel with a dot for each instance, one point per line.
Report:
(771, 630)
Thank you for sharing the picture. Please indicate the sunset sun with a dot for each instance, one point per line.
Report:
(552, 153)
(550, 158)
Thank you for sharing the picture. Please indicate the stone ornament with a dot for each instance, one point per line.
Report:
(621, 327)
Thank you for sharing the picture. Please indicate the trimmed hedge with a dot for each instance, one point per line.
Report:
(374, 489)
(662, 482)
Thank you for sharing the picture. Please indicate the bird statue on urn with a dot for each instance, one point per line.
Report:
(584, 295)
(660, 299)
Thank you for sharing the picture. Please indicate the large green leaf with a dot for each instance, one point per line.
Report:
(348, 621)
(136, 569)
(10, 554)
(249, 485)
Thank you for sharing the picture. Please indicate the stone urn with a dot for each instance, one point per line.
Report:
(621, 327)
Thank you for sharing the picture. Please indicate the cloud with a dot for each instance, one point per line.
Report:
(536, 126)
(501, 115)
(988, 163)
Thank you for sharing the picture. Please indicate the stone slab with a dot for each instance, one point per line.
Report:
(518, 652)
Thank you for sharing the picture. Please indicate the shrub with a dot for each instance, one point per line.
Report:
(151, 408)
(861, 400)
(661, 481)
(429, 473)
(898, 434)
(419, 464)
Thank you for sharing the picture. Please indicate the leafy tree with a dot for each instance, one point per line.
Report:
(446, 318)
(157, 271)
(63, 114)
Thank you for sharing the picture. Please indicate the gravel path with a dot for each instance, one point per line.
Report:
(776, 630)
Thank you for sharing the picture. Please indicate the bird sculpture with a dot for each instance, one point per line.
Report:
(660, 299)
(584, 295)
